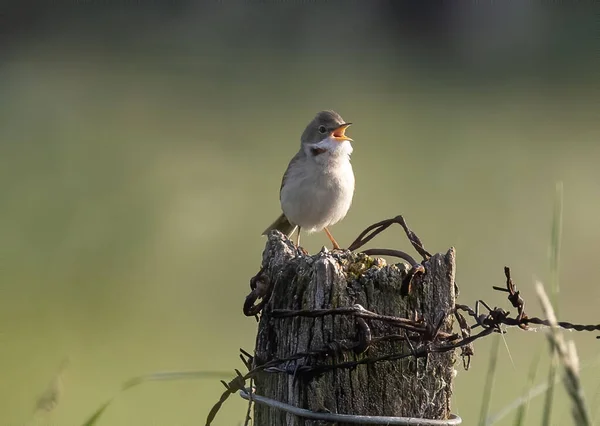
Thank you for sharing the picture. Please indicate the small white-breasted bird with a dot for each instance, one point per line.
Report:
(318, 185)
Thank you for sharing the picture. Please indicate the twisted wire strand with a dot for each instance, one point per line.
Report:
(247, 394)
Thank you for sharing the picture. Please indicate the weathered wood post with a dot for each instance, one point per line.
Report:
(411, 387)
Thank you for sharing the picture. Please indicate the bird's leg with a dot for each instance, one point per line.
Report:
(333, 241)
(300, 249)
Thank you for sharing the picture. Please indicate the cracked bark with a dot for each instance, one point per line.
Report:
(415, 388)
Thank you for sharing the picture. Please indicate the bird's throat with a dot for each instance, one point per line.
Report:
(315, 150)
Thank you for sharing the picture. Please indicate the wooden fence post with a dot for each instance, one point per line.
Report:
(411, 387)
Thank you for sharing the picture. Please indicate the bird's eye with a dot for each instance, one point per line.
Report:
(322, 130)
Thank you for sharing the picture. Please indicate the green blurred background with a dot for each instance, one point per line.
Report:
(141, 152)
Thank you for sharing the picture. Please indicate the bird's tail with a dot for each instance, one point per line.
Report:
(281, 224)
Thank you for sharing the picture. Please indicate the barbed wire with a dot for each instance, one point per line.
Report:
(422, 338)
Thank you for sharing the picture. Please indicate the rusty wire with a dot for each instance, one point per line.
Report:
(421, 338)
(261, 288)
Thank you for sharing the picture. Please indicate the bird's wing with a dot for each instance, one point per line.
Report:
(299, 155)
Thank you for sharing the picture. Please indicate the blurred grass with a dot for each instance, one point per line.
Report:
(130, 183)
(567, 354)
(489, 381)
(154, 377)
(555, 241)
(535, 391)
(523, 409)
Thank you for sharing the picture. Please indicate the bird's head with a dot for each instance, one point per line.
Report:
(326, 136)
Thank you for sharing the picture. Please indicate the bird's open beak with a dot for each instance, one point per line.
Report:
(339, 133)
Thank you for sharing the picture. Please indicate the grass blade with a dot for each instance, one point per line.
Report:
(533, 368)
(489, 381)
(551, 384)
(51, 396)
(174, 375)
(533, 393)
(595, 404)
(568, 356)
(153, 377)
(555, 243)
(94, 417)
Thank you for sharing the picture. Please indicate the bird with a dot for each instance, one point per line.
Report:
(318, 185)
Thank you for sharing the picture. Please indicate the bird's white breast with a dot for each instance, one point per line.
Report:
(318, 190)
